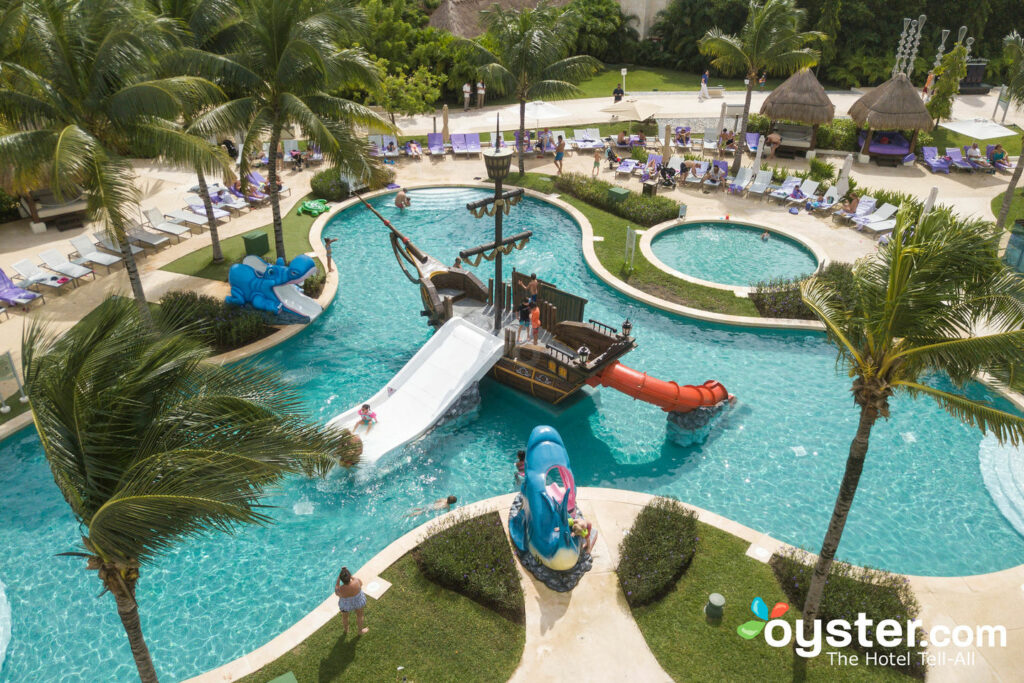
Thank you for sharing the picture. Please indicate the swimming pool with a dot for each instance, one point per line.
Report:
(773, 463)
(732, 253)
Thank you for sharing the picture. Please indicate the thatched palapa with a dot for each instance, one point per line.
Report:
(802, 99)
(894, 105)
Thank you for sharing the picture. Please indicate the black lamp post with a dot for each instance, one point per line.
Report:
(498, 161)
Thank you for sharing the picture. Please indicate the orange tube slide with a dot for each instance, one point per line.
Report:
(668, 396)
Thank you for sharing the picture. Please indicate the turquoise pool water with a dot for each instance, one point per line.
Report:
(774, 463)
(732, 253)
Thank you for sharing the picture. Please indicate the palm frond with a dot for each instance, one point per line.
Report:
(1004, 426)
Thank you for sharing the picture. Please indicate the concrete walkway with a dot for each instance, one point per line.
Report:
(589, 631)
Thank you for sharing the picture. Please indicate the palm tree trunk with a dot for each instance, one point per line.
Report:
(123, 590)
(741, 134)
(522, 138)
(273, 191)
(204, 192)
(134, 279)
(1004, 211)
(847, 490)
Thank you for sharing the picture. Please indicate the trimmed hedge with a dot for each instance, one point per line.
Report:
(646, 211)
(327, 184)
(851, 590)
(471, 556)
(780, 297)
(212, 321)
(656, 551)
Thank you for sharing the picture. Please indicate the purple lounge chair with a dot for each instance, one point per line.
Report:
(435, 144)
(253, 196)
(459, 144)
(627, 167)
(519, 147)
(259, 181)
(753, 139)
(935, 163)
(984, 166)
(1002, 164)
(956, 158)
(647, 174)
(473, 143)
(13, 295)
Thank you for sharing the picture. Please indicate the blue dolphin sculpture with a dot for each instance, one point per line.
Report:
(541, 526)
(249, 286)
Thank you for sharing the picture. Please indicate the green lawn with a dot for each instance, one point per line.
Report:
(946, 138)
(645, 276)
(436, 634)
(1016, 208)
(690, 649)
(646, 79)
(200, 263)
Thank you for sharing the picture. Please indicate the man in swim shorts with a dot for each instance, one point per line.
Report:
(559, 154)
(531, 287)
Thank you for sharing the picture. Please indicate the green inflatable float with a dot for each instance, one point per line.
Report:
(313, 207)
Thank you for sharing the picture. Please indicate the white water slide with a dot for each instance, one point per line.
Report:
(458, 354)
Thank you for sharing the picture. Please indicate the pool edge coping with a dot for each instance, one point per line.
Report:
(648, 236)
(293, 636)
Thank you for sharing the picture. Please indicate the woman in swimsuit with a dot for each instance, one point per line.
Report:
(350, 598)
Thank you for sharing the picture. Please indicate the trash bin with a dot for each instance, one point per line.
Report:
(617, 194)
(650, 189)
(256, 243)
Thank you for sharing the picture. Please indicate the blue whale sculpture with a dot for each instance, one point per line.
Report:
(255, 285)
(541, 525)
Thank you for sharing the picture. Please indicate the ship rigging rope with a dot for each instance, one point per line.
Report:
(402, 254)
(507, 249)
(503, 204)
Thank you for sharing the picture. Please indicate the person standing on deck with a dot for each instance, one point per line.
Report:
(328, 241)
(535, 321)
(532, 287)
(467, 93)
(704, 94)
(480, 91)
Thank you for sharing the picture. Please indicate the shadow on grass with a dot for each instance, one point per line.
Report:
(339, 658)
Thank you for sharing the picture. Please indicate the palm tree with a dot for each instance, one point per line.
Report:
(87, 99)
(529, 59)
(770, 41)
(935, 299)
(212, 27)
(290, 57)
(150, 444)
(1013, 46)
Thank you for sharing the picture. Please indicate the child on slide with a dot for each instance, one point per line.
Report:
(366, 417)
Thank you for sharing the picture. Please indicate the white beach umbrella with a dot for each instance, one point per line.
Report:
(843, 182)
(666, 147)
(929, 202)
(444, 124)
(536, 110)
(757, 154)
(633, 110)
(721, 123)
(979, 129)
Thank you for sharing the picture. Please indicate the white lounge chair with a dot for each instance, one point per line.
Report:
(58, 263)
(829, 202)
(31, 274)
(146, 238)
(595, 135)
(882, 213)
(786, 189)
(195, 205)
(740, 182)
(189, 218)
(697, 176)
(762, 181)
(88, 253)
(104, 241)
(157, 221)
(230, 202)
(865, 206)
(807, 189)
(879, 228)
(498, 141)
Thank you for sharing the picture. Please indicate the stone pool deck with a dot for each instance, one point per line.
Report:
(591, 627)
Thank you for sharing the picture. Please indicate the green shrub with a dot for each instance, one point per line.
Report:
(646, 211)
(924, 139)
(385, 178)
(657, 550)
(757, 123)
(8, 207)
(639, 154)
(822, 170)
(471, 556)
(313, 286)
(839, 135)
(212, 321)
(780, 297)
(328, 184)
(851, 590)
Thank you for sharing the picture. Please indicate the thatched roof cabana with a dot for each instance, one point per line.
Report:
(802, 99)
(894, 105)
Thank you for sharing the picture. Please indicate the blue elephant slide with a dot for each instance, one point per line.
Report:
(274, 288)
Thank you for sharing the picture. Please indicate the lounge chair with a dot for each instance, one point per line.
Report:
(681, 146)
(189, 218)
(473, 143)
(879, 228)
(158, 222)
(316, 157)
(783, 191)
(252, 195)
(740, 182)
(287, 147)
(627, 167)
(1002, 165)
(389, 141)
(762, 181)
(709, 145)
(521, 144)
(226, 200)
(865, 206)
(13, 295)
(31, 274)
(581, 138)
(416, 153)
(753, 140)
(88, 253)
(983, 165)
(435, 144)
(261, 182)
(459, 144)
(650, 167)
(711, 182)
(197, 208)
(807, 191)
(58, 263)
(498, 141)
(146, 238)
(595, 135)
(376, 145)
(104, 241)
(935, 163)
(957, 159)
(568, 141)
(827, 203)
(696, 177)
(882, 213)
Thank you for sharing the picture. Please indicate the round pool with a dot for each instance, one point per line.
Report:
(773, 463)
(732, 253)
